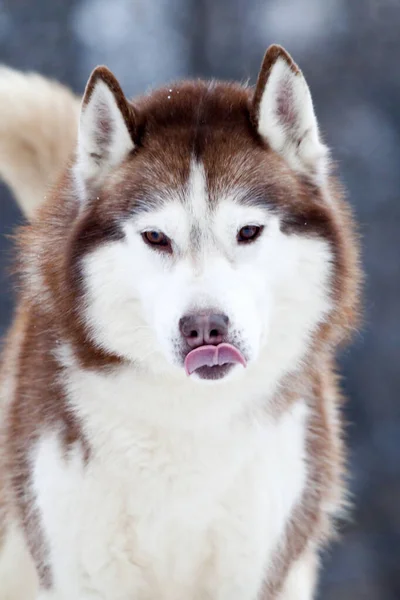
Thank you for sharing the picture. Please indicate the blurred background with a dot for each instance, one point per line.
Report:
(349, 51)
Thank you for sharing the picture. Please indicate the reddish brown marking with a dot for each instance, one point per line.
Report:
(39, 406)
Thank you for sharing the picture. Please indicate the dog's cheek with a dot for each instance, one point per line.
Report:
(258, 285)
(242, 303)
(166, 309)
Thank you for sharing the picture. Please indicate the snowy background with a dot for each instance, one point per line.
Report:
(349, 51)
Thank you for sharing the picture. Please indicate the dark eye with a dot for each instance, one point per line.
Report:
(157, 239)
(249, 233)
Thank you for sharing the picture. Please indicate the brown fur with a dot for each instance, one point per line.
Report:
(216, 122)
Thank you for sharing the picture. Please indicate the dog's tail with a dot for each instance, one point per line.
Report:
(38, 129)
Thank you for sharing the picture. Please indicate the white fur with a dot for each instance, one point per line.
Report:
(162, 511)
(197, 193)
(17, 573)
(300, 583)
(38, 128)
(293, 132)
(95, 156)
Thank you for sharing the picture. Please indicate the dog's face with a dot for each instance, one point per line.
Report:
(212, 249)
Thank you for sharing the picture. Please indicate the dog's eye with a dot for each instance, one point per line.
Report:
(249, 233)
(158, 240)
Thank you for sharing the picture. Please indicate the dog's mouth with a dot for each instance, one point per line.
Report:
(213, 362)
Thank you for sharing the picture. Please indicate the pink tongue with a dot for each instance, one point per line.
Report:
(210, 356)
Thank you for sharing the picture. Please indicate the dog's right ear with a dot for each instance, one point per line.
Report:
(283, 115)
(106, 129)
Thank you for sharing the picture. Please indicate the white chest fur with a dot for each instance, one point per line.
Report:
(168, 513)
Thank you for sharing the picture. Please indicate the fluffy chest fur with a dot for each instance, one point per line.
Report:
(168, 512)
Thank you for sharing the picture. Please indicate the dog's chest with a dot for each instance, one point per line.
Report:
(161, 514)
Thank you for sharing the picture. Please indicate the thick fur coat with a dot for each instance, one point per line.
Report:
(171, 421)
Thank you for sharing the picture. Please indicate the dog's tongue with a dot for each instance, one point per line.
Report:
(210, 356)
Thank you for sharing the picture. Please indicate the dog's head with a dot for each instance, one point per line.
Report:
(204, 240)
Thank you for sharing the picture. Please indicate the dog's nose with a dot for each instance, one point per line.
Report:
(200, 329)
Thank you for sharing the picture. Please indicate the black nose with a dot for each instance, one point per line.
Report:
(200, 329)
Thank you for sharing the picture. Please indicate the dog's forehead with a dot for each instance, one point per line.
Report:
(209, 124)
(198, 145)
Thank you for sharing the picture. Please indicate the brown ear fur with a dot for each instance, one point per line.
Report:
(271, 56)
(128, 112)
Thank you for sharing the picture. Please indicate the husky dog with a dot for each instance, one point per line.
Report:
(171, 415)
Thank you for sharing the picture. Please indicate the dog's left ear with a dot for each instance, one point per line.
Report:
(107, 128)
(283, 115)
